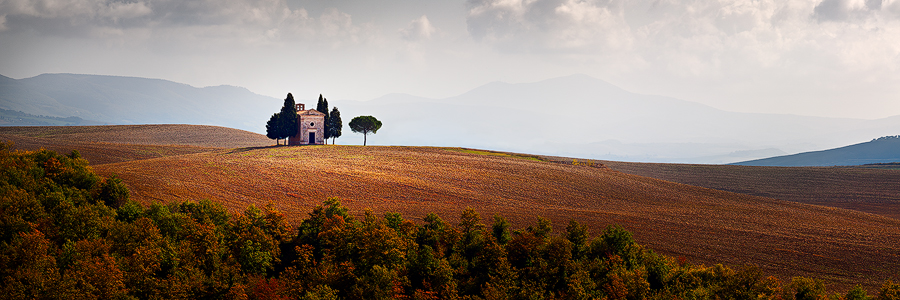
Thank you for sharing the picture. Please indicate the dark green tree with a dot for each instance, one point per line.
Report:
(500, 229)
(319, 103)
(334, 125)
(288, 118)
(365, 125)
(273, 127)
(322, 107)
(113, 192)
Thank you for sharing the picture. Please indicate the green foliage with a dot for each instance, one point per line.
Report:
(113, 192)
(577, 234)
(615, 240)
(857, 293)
(500, 230)
(803, 288)
(65, 238)
(365, 125)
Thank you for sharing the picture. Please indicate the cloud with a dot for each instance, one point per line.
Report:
(240, 21)
(694, 37)
(116, 11)
(418, 29)
(554, 25)
(843, 10)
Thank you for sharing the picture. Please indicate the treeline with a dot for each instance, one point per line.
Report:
(70, 234)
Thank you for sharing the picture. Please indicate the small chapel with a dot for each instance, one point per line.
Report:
(310, 127)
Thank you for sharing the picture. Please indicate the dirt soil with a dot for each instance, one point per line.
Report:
(703, 225)
(864, 188)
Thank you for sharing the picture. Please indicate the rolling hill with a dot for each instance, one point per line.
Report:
(872, 190)
(109, 144)
(881, 150)
(700, 224)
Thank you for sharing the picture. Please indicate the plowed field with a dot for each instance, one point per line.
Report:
(109, 144)
(703, 225)
(865, 188)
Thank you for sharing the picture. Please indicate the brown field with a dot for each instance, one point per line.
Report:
(109, 144)
(873, 189)
(700, 224)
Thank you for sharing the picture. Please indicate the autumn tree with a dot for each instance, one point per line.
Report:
(66, 233)
(365, 125)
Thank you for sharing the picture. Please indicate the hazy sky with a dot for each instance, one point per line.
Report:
(817, 57)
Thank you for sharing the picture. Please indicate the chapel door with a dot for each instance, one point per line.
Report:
(312, 138)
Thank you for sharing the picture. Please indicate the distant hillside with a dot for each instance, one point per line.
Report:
(18, 118)
(881, 150)
(132, 100)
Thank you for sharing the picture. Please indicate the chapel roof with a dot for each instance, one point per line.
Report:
(310, 112)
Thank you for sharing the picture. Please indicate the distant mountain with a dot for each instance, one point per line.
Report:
(132, 100)
(881, 150)
(573, 116)
(581, 116)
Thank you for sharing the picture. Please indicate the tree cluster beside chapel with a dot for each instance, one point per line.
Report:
(301, 126)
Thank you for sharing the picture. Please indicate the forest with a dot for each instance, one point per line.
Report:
(67, 233)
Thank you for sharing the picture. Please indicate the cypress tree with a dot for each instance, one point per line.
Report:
(334, 124)
(273, 127)
(323, 108)
(319, 104)
(288, 119)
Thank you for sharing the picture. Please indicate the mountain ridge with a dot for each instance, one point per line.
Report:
(137, 100)
(885, 149)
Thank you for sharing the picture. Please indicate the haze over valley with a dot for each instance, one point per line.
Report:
(577, 116)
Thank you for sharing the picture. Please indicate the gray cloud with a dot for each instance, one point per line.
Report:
(832, 10)
(874, 4)
(689, 37)
(843, 10)
(549, 25)
(418, 29)
(241, 21)
(857, 11)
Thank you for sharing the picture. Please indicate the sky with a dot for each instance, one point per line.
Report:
(834, 58)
